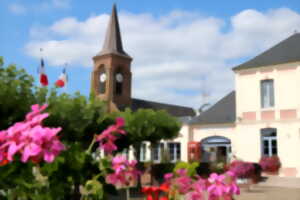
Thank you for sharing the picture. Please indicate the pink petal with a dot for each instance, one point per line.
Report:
(221, 178)
(12, 150)
(120, 121)
(57, 146)
(30, 150)
(168, 176)
(49, 156)
(211, 188)
(219, 191)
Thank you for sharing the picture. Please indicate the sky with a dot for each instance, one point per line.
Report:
(183, 51)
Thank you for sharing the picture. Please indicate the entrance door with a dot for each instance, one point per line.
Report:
(216, 149)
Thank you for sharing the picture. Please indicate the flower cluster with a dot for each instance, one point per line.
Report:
(242, 169)
(270, 164)
(125, 172)
(108, 137)
(152, 192)
(31, 139)
(196, 188)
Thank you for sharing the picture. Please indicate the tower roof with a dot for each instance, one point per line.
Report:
(286, 51)
(113, 41)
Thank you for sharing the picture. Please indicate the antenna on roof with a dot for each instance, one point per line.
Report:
(205, 93)
(205, 96)
(296, 31)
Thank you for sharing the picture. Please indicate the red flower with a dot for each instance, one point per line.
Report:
(164, 187)
(4, 160)
(148, 192)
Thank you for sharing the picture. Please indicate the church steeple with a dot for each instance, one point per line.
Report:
(113, 41)
(111, 76)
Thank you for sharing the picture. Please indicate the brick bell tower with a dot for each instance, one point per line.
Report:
(111, 76)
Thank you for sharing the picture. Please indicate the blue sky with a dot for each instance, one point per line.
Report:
(196, 42)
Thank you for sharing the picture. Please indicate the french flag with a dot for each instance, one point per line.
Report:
(43, 76)
(62, 80)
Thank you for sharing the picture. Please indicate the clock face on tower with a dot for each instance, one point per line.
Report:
(119, 77)
(102, 77)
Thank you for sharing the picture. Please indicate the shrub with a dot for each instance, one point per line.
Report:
(242, 169)
(190, 167)
(257, 172)
(158, 170)
(270, 164)
(203, 170)
(217, 167)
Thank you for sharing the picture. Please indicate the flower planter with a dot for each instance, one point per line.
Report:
(270, 173)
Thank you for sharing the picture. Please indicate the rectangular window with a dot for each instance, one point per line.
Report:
(143, 152)
(157, 152)
(269, 146)
(274, 146)
(174, 151)
(267, 93)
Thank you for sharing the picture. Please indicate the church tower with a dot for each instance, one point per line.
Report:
(111, 76)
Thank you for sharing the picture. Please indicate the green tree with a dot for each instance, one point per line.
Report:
(79, 117)
(16, 94)
(149, 125)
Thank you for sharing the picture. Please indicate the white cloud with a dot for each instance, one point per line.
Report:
(42, 6)
(61, 3)
(173, 54)
(17, 9)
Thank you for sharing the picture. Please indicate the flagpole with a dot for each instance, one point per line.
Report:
(41, 56)
(65, 89)
(42, 74)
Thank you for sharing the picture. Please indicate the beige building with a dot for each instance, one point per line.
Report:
(260, 118)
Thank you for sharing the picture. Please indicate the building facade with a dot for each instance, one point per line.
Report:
(261, 117)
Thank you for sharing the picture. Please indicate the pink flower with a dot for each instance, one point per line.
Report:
(198, 188)
(108, 137)
(193, 196)
(119, 163)
(233, 188)
(181, 172)
(125, 172)
(120, 122)
(109, 147)
(30, 139)
(168, 176)
(184, 184)
(217, 187)
(36, 110)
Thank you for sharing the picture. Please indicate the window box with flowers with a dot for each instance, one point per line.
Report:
(270, 165)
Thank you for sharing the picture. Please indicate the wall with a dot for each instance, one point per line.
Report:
(284, 116)
(286, 84)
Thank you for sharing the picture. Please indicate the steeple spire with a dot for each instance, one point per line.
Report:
(113, 40)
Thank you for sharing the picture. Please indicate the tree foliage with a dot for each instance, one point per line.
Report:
(80, 118)
(149, 125)
(16, 94)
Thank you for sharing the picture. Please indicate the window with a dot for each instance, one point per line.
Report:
(143, 152)
(269, 142)
(102, 80)
(157, 152)
(267, 93)
(174, 151)
(119, 79)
